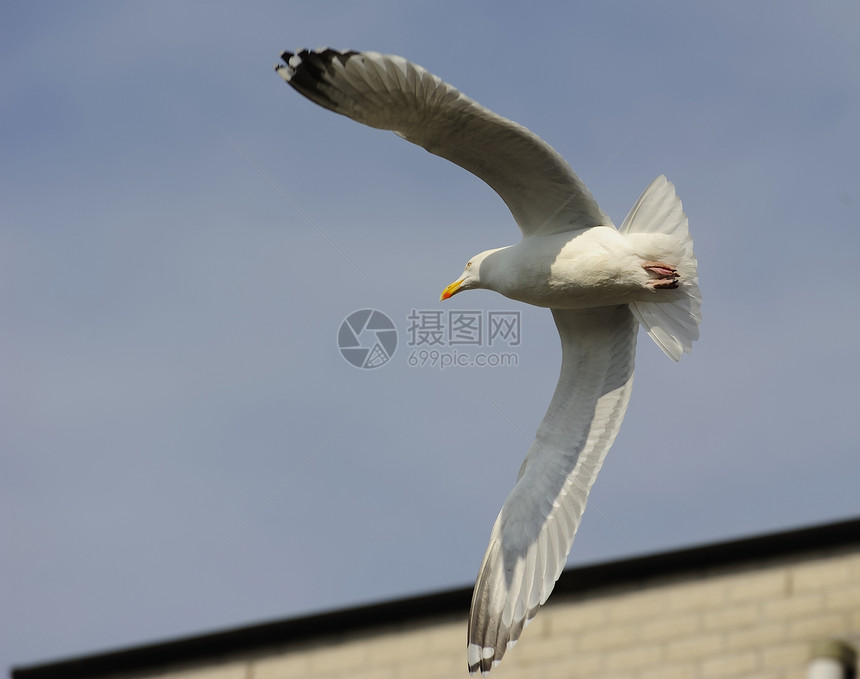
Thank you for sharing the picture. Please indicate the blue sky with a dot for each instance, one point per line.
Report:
(183, 449)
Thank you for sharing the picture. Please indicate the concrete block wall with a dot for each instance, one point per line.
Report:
(760, 621)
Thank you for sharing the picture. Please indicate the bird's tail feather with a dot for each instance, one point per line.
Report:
(673, 325)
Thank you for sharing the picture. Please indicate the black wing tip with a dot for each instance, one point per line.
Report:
(483, 666)
(474, 669)
(318, 59)
(291, 61)
(310, 72)
(479, 660)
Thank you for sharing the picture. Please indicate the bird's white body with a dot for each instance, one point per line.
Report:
(593, 268)
(600, 283)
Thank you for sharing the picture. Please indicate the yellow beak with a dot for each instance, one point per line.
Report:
(452, 289)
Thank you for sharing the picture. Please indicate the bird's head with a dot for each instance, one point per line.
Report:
(471, 277)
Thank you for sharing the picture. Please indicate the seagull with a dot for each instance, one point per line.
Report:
(599, 281)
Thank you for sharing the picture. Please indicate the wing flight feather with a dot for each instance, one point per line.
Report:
(534, 531)
(388, 92)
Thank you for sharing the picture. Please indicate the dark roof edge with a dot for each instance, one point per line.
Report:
(578, 580)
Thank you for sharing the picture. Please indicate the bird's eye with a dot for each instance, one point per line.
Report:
(469, 265)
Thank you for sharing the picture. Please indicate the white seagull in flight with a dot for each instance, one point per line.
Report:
(599, 281)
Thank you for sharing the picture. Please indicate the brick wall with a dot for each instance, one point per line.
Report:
(757, 621)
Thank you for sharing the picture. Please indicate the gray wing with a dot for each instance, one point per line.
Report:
(387, 92)
(534, 531)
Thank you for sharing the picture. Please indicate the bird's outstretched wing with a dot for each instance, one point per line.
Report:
(388, 92)
(534, 531)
